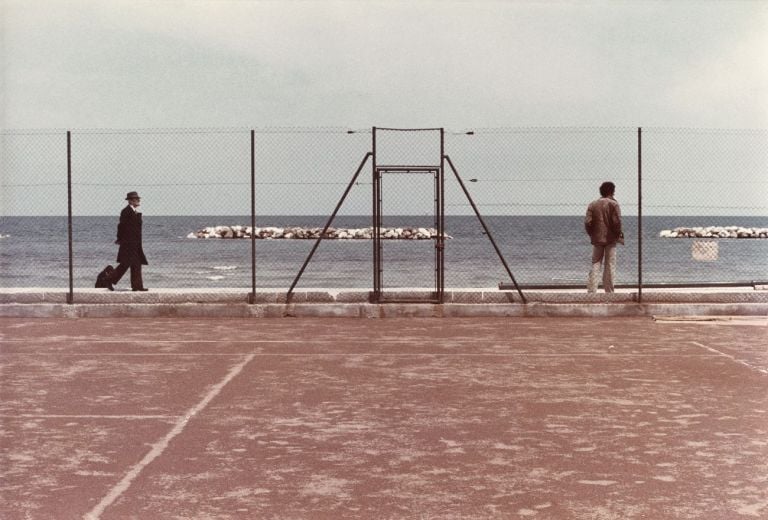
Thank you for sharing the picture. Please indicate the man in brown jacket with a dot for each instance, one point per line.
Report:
(603, 224)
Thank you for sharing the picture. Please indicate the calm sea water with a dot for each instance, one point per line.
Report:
(538, 249)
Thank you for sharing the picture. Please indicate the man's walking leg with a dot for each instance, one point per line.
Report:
(118, 273)
(136, 280)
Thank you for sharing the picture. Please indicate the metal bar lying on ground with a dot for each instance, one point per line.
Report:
(682, 285)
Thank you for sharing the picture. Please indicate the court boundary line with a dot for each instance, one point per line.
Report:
(357, 354)
(159, 447)
(732, 358)
(127, 417)
(330, 341)
(46, 339)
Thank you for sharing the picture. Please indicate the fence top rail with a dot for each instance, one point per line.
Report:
(417, 168)
(349, 130)
(604, 129)
(180, 130)
(385, 129)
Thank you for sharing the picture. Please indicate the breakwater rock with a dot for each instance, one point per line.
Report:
(715, 232)
(404, 233)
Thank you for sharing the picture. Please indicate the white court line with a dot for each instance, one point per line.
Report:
(162, 444)
(732, 358)
(123, 340)
(62, 416)
(315, 341)
(355, 354)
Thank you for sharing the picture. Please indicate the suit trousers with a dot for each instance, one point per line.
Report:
(136, 280)
(605, 257)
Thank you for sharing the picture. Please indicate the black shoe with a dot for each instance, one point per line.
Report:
(110, 287)
(142, 289)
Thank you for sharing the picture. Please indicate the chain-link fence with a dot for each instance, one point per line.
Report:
(533, 186)
(183, 179)
(710, 183)
(33, 209)
(702, 196)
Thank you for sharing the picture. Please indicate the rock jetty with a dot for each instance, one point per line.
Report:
(404, 233)
(715, 232)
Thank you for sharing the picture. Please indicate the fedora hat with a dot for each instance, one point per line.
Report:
(132, 195)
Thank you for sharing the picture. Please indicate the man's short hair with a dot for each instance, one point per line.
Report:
(607, 188)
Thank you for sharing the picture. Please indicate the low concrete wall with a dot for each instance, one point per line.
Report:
(341, 296)
(355, 304)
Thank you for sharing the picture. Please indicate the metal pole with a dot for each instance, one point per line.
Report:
(441, 233)
(485, 228)
(436, 209)
(640, 215)
(376, 225)
(70, 295)
(252, 296)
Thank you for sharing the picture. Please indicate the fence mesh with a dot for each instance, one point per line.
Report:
(698, 179)
(33, 209)
(301, 175)
(184, 180)
(531, 185)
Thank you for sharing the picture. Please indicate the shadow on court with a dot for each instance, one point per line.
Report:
(383, 419)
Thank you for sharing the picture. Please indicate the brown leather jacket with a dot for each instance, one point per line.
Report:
(603, 222)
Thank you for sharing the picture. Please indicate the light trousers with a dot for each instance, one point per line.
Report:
(605, 257)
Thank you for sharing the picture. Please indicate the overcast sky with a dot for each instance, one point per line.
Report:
(480, 63)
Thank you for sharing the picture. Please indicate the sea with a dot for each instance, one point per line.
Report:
(538, 250)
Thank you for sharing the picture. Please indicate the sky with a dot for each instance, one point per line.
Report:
(190, 64)
(453, 64)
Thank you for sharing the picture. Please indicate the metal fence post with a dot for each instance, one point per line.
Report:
(70, 295)
(252, 296)
(441, 213)
(640, 215)
(376, 220)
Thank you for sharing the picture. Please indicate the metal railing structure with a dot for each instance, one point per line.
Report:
(61, 193)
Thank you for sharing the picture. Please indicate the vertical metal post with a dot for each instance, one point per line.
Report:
(252, 296)
(376, 224)
(70, 295)
(640, 215)
(441, 230)
(436, 224)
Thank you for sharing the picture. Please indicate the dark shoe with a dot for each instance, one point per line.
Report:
(143, 289)
(110, 286)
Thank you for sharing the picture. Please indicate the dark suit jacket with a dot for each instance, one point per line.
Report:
(129, 238)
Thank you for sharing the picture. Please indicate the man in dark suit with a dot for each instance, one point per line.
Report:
(131, 254)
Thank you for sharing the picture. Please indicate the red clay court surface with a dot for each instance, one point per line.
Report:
(383, 419)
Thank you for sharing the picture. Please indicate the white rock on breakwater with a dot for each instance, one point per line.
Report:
(404, 233)
(715, 232)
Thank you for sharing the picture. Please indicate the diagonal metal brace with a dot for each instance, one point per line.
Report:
(327, 225)
(485, 228)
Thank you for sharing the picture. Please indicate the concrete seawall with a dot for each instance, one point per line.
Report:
(26, 302)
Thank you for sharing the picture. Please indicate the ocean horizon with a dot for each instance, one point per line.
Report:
(551, 250)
